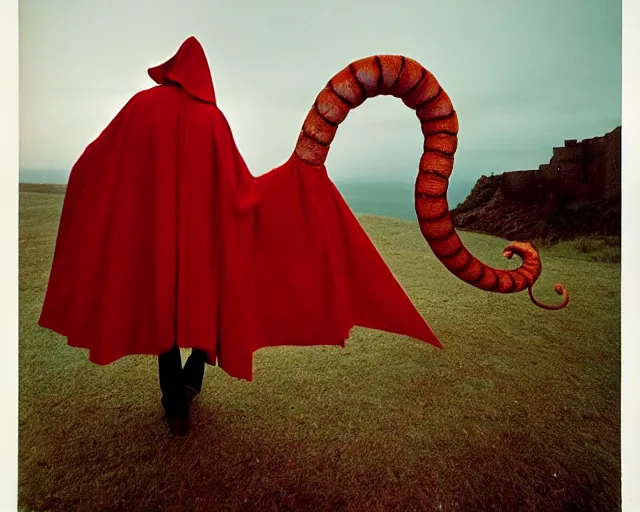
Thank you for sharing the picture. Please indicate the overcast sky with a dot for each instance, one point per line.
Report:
(523, 75)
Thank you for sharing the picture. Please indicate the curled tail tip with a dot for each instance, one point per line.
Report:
(560, 289)
(522, 249)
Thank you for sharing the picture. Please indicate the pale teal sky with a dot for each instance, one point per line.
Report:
(523, 75)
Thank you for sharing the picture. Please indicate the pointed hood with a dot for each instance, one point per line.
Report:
(189, 68)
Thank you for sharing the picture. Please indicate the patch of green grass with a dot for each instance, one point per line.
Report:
(612, 241)
(604, 249)
(520, 411)
(585, 245)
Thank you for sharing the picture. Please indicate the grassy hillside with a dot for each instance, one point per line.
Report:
(520, 411)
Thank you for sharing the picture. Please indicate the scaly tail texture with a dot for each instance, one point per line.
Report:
(406, 79)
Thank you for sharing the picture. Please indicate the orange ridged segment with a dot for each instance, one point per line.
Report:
(439, 107)
(457, 261)
(527, 274)
(489, 281)
(432, 209)
(310, 151)
(442, 165)
(318, 129)
(447, 246)
(447, 124)
(331, 107)
(506, 285)
(437, 229)
(409, 76)
(391, 65)
(521, 281)
(367, 72)
(533, 268)
(426, 90)
(345, 85)
(442, 143)
(472, 272)
(431, 184)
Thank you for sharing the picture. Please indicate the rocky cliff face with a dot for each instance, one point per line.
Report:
(577, 193)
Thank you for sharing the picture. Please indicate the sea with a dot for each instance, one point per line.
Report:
(388, 199)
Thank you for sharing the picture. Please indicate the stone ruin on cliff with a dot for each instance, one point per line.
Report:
(577, 193)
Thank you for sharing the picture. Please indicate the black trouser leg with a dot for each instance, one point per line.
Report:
(170, 376)
(193, 372)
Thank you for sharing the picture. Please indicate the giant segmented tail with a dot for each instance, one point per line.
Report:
(406, 79)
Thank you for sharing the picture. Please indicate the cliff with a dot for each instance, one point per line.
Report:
(577, 193)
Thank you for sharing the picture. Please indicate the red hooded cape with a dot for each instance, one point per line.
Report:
(165, 236)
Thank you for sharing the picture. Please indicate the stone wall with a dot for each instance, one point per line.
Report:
(588, 170)
(526, 186)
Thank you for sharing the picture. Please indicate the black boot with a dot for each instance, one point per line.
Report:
(193, 373)
(174, 397)
(176, 406)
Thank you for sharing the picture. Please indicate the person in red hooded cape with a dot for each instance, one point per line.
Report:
(166, 241)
